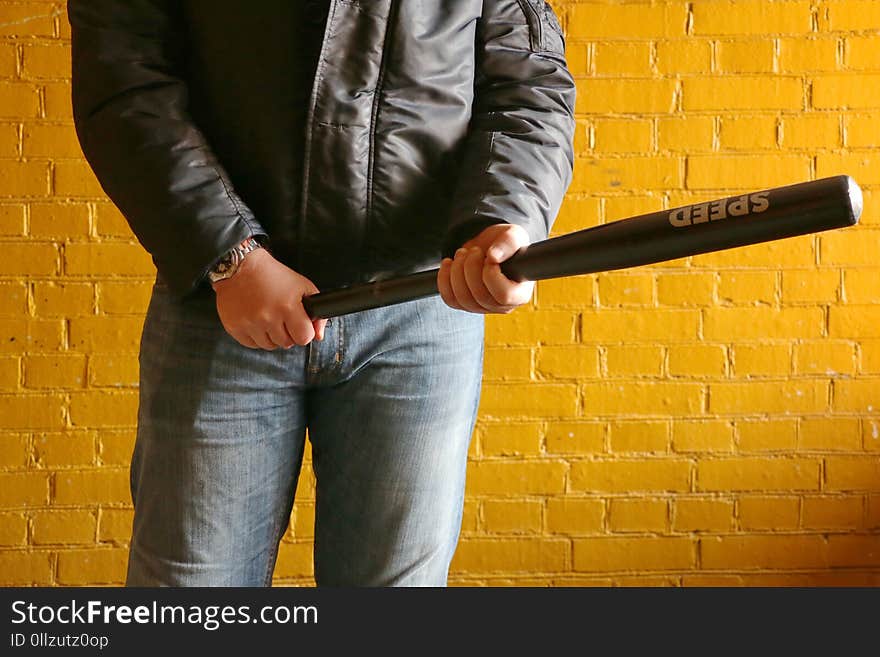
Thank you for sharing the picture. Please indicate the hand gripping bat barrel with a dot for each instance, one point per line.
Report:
(726, 223)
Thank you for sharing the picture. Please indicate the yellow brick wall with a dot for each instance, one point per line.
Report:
(706, 421)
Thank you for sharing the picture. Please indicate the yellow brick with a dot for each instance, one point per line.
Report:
(702, 514)
(469, 518)
(801, 286)
(763, 360)
(798, 55)
(637, 515)
(652, 398)
(74, 178)
(510, 555)
(623, 136)
(107, 258)
(294, 560)
(864, 166)
(846, 91)
(305, 488)
(627, 21)
(854, 322)
(511, 439)
(525, 327)
(687, 134)
(766, 435)
(748, 133)
(685, 289)
(57, 100)
(102, 333)
(854, 551)
(625, 289)
(115, 447)
(627, 207)
(25, 569)
(572, 362)
(8, 60)
(100, 566)
(623, 59)
(747, 287)
(762, 512)
(641, 173)
(18, 489)
(10, 373)
(42, 140)
(697, 360)
(13, 529)
(27, 19)
(846, 15)
(577, 56)
(131, 298)
(63, 299)
(702, 436)
(575, 214)
(54, 450)
(17, 335)
(810, 131)
(14, 450)
(747, 171)
(575, 438)
(626, 361)
(104, 409)
(13, 299)
(63, 527)
(856, 395)
(55, 371)
(633, 554)
(763, 323)
(856, 473)
(575, 516)
(92, 487)
(871, 435)
(798, 396)
(303, 524)
(116, 370)
(828, 512)
(12, 219)
(861, 130)
(860, 285)
(516, 477)
(507, 364)
(758, 474)
(870, 356)
(644, 436)
(742, 93)
(791, 252)
(631, 476)
(752, 17)
(59, 220)
(32, 411)
(746, 56)
(30, 259)
(643, 325)
(711, 580)
(8, 139)
(573, 292)
(20, 179)
(623, 96)
(49, 61)
(532, 400)
(862, 53)
(824, 357)
(20, 100)
(109, 222)
(114, 525)
(583, 137)
(682, 57)
(512, 517)
(873, 511)
(763, 552)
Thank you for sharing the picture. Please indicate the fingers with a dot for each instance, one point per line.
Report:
(473, 283)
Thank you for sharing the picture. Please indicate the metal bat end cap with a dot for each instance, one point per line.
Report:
(855, 198)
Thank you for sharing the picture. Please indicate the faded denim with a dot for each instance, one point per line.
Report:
(389, 398)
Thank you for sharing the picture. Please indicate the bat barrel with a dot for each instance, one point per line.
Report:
(735, 221)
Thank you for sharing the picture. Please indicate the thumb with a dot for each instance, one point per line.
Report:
(504, 246)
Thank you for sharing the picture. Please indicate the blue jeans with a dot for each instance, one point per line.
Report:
(389, 398)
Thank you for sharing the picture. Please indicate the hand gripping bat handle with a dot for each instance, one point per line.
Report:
(726, 223)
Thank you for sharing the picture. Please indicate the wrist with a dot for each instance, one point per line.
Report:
(233, 260)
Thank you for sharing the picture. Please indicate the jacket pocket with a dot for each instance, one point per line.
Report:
(545, 32)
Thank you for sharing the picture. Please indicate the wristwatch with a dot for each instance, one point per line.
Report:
(230, 262)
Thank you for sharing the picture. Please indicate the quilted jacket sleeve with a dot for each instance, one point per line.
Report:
(518, 156)
(130, 113)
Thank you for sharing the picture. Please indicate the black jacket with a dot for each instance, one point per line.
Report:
(428, 120)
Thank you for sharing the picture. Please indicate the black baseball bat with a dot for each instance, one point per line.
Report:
(726, 223)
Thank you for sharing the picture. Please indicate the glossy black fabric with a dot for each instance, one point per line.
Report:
(426, 121)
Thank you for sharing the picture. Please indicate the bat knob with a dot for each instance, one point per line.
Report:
(855, 198)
